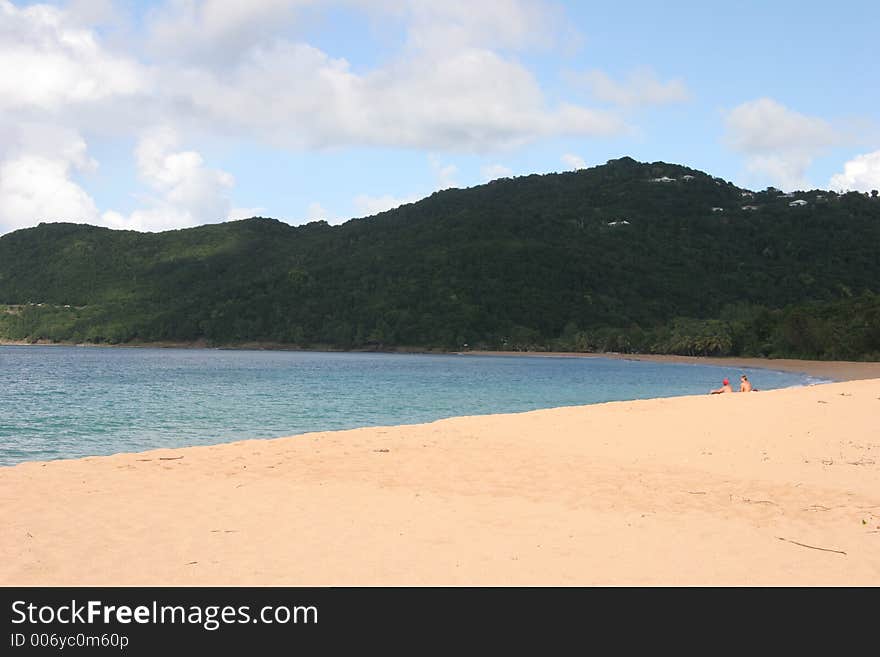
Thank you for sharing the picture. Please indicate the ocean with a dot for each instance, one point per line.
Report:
(61, 402)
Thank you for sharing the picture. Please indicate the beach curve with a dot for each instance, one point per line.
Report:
(771, 488)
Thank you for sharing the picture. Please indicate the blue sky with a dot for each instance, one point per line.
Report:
(157, 115)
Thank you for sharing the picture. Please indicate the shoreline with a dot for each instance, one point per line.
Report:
(243, 346)
(832, 370)
(666, 491)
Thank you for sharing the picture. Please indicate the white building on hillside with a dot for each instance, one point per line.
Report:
(799, 202)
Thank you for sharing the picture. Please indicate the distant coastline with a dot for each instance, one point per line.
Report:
(244, 346)
(835, 370)
(831, 369)
(598, 260)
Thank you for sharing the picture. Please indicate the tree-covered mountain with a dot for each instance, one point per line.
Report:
(627, 256)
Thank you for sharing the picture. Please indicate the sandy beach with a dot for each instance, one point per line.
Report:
(769, 488)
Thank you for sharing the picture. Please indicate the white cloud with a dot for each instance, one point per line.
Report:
(232, 69)
(93, 12)
(574, 161)
(861, 174)
(778, 142)
(297, 96)
(37, 167)
(49, 141)
(642, 87)
(444, 174)
(367, 205)
(215, 32)
(186, 193)
(37, 163)
(238, 70)
(35, 188)
(316, 212)
(494, 171)
(235, 68)
(48, 62)
(764, 125)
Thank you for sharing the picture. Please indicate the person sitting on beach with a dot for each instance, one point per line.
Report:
(725, 387)
(744, 384)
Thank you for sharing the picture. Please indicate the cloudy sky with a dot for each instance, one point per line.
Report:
(174, 113)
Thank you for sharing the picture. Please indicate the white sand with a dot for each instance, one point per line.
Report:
(767, 488)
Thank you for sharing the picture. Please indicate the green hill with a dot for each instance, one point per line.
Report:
(608, 258)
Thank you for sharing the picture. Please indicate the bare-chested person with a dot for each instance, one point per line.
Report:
(744, 384)
(725, 387)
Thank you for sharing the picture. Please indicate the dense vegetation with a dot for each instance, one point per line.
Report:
(603, 259)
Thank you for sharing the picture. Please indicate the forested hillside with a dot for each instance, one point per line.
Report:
(621, 257)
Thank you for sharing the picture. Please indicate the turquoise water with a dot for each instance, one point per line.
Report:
(63, 402)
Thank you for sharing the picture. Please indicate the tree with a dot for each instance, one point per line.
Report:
(530, 260)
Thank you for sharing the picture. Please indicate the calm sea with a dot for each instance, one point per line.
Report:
(63, 402)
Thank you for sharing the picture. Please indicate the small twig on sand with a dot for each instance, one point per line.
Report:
(812, 547)
(747, 500)
(697, 492)
(170, 458)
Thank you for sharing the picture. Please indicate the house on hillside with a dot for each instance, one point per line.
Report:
(687, 177)
(750, 208)
(798, 203)
(717, 209)
(746, 194)
(788, 195)
(663, 179)
(621, 222)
